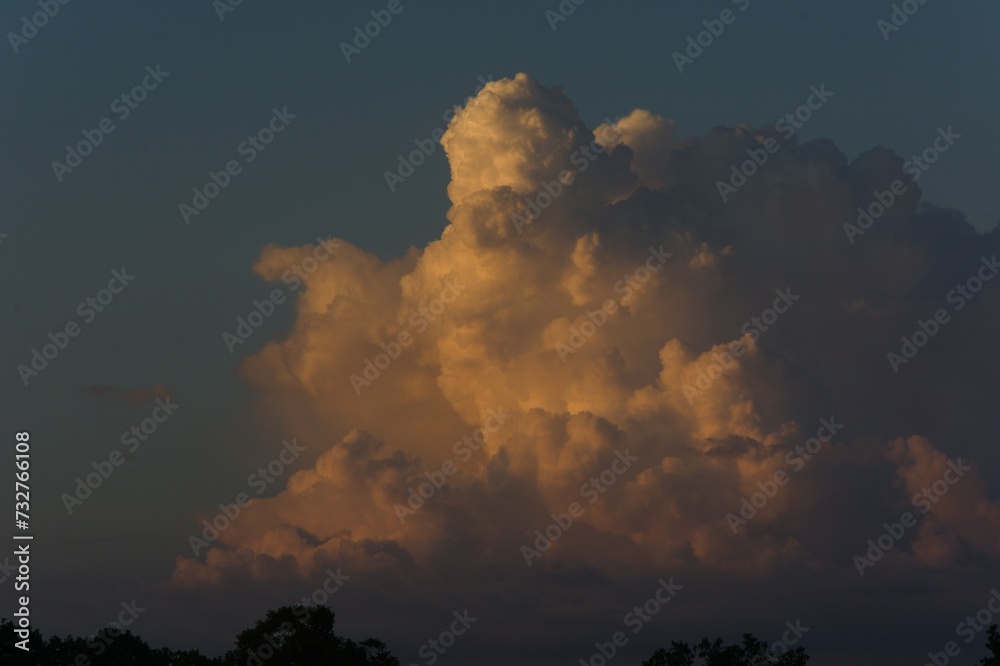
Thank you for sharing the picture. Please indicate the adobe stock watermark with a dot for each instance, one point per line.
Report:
(914, 167)
(958, 297)
(130, 439)
(302, 611)
(463, 448)
(592, 490)
(968, 628)
(899, 17)
(796, 459)
(6, 570)
(122, 106)
(753, 327)
(293, 278)
(789, 638)
(381, 18)
(88, 309)
(714, 28)
(248, 149)
(419, 320)
(925, 499)
(331, 584)
(102, 640)
(432, 650)
(258, 480)
(562, 12)
(788, 124)
(918, 165)
(223, 7)
(629, 284)
(31, 25)
(409, 164)
(636, 619)
(580, 158)
(867, 217)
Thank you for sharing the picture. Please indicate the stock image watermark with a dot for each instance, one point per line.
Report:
(223, 7)
(22, 616)
(30, 25)
(787, 125)
(409, 163)
(131, 438)
(293, 278)
(635, 619)
(696, 44)
(893, 533)
(581, 158)
(419, 320)
(432, 650)
(22, 553)
(562, 12)
(6, 570)
(796, 459)
(102, 640)
(274, 642)
(875, 210)
(249, 150)
(958, 298)
(331, 585)
(790, 638)
(900, 16)
(436, 479)
(122, 106)
(968, 628)
(87, 310)
(591, 490)
(914, 167)
(381, 18)
(921, 163)
(259, 481)
(753, 327)
(629, 284)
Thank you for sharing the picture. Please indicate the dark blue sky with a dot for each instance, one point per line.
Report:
(323, 176)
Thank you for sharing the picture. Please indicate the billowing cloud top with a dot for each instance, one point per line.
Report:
(593, 301)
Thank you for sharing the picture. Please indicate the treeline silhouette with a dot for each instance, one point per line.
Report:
(289, 636)
(304, 636)
(753, 652)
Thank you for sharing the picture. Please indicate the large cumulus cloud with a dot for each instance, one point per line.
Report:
(502, 313)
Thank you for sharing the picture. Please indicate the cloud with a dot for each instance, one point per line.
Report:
(961, 518)
(636, 187)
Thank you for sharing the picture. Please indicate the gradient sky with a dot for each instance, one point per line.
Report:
(323, 176)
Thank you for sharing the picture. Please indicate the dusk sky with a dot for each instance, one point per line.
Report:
(734, 302)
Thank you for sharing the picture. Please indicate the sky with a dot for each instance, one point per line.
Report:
(579, 256)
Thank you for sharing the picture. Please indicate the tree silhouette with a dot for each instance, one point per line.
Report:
(752, 652)
(993, 645)
(108, 647)
(679, 654)
(301, 636)
(304, 636)
(9, 653)
(288, 636)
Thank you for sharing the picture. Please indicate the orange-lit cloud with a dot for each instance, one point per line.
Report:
(484, 307)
